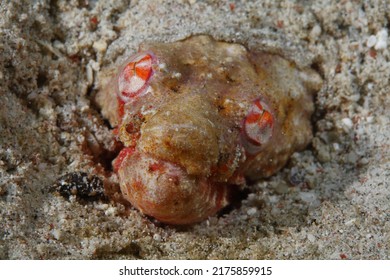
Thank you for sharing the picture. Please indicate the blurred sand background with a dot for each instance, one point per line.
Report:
(332, 201)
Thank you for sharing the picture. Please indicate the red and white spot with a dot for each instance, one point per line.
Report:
(134, 78)
(258, 124)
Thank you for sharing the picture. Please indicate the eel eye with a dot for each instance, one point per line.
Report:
(133, 79)
(258, 124)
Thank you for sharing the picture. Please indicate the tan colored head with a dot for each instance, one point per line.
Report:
(200, 116)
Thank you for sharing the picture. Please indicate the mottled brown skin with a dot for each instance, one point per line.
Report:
(190, 123)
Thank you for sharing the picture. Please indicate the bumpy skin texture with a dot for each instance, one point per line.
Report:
(201, 118)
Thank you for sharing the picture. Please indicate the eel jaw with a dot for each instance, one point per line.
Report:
(166, 192)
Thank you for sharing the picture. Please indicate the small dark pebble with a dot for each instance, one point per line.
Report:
(296, 177)
(80, 184)
(3, 190)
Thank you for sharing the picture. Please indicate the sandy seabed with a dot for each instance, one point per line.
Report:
(332, 201)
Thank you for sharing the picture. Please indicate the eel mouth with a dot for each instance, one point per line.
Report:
(165, 191)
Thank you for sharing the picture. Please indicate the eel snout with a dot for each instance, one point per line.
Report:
(165, 191)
